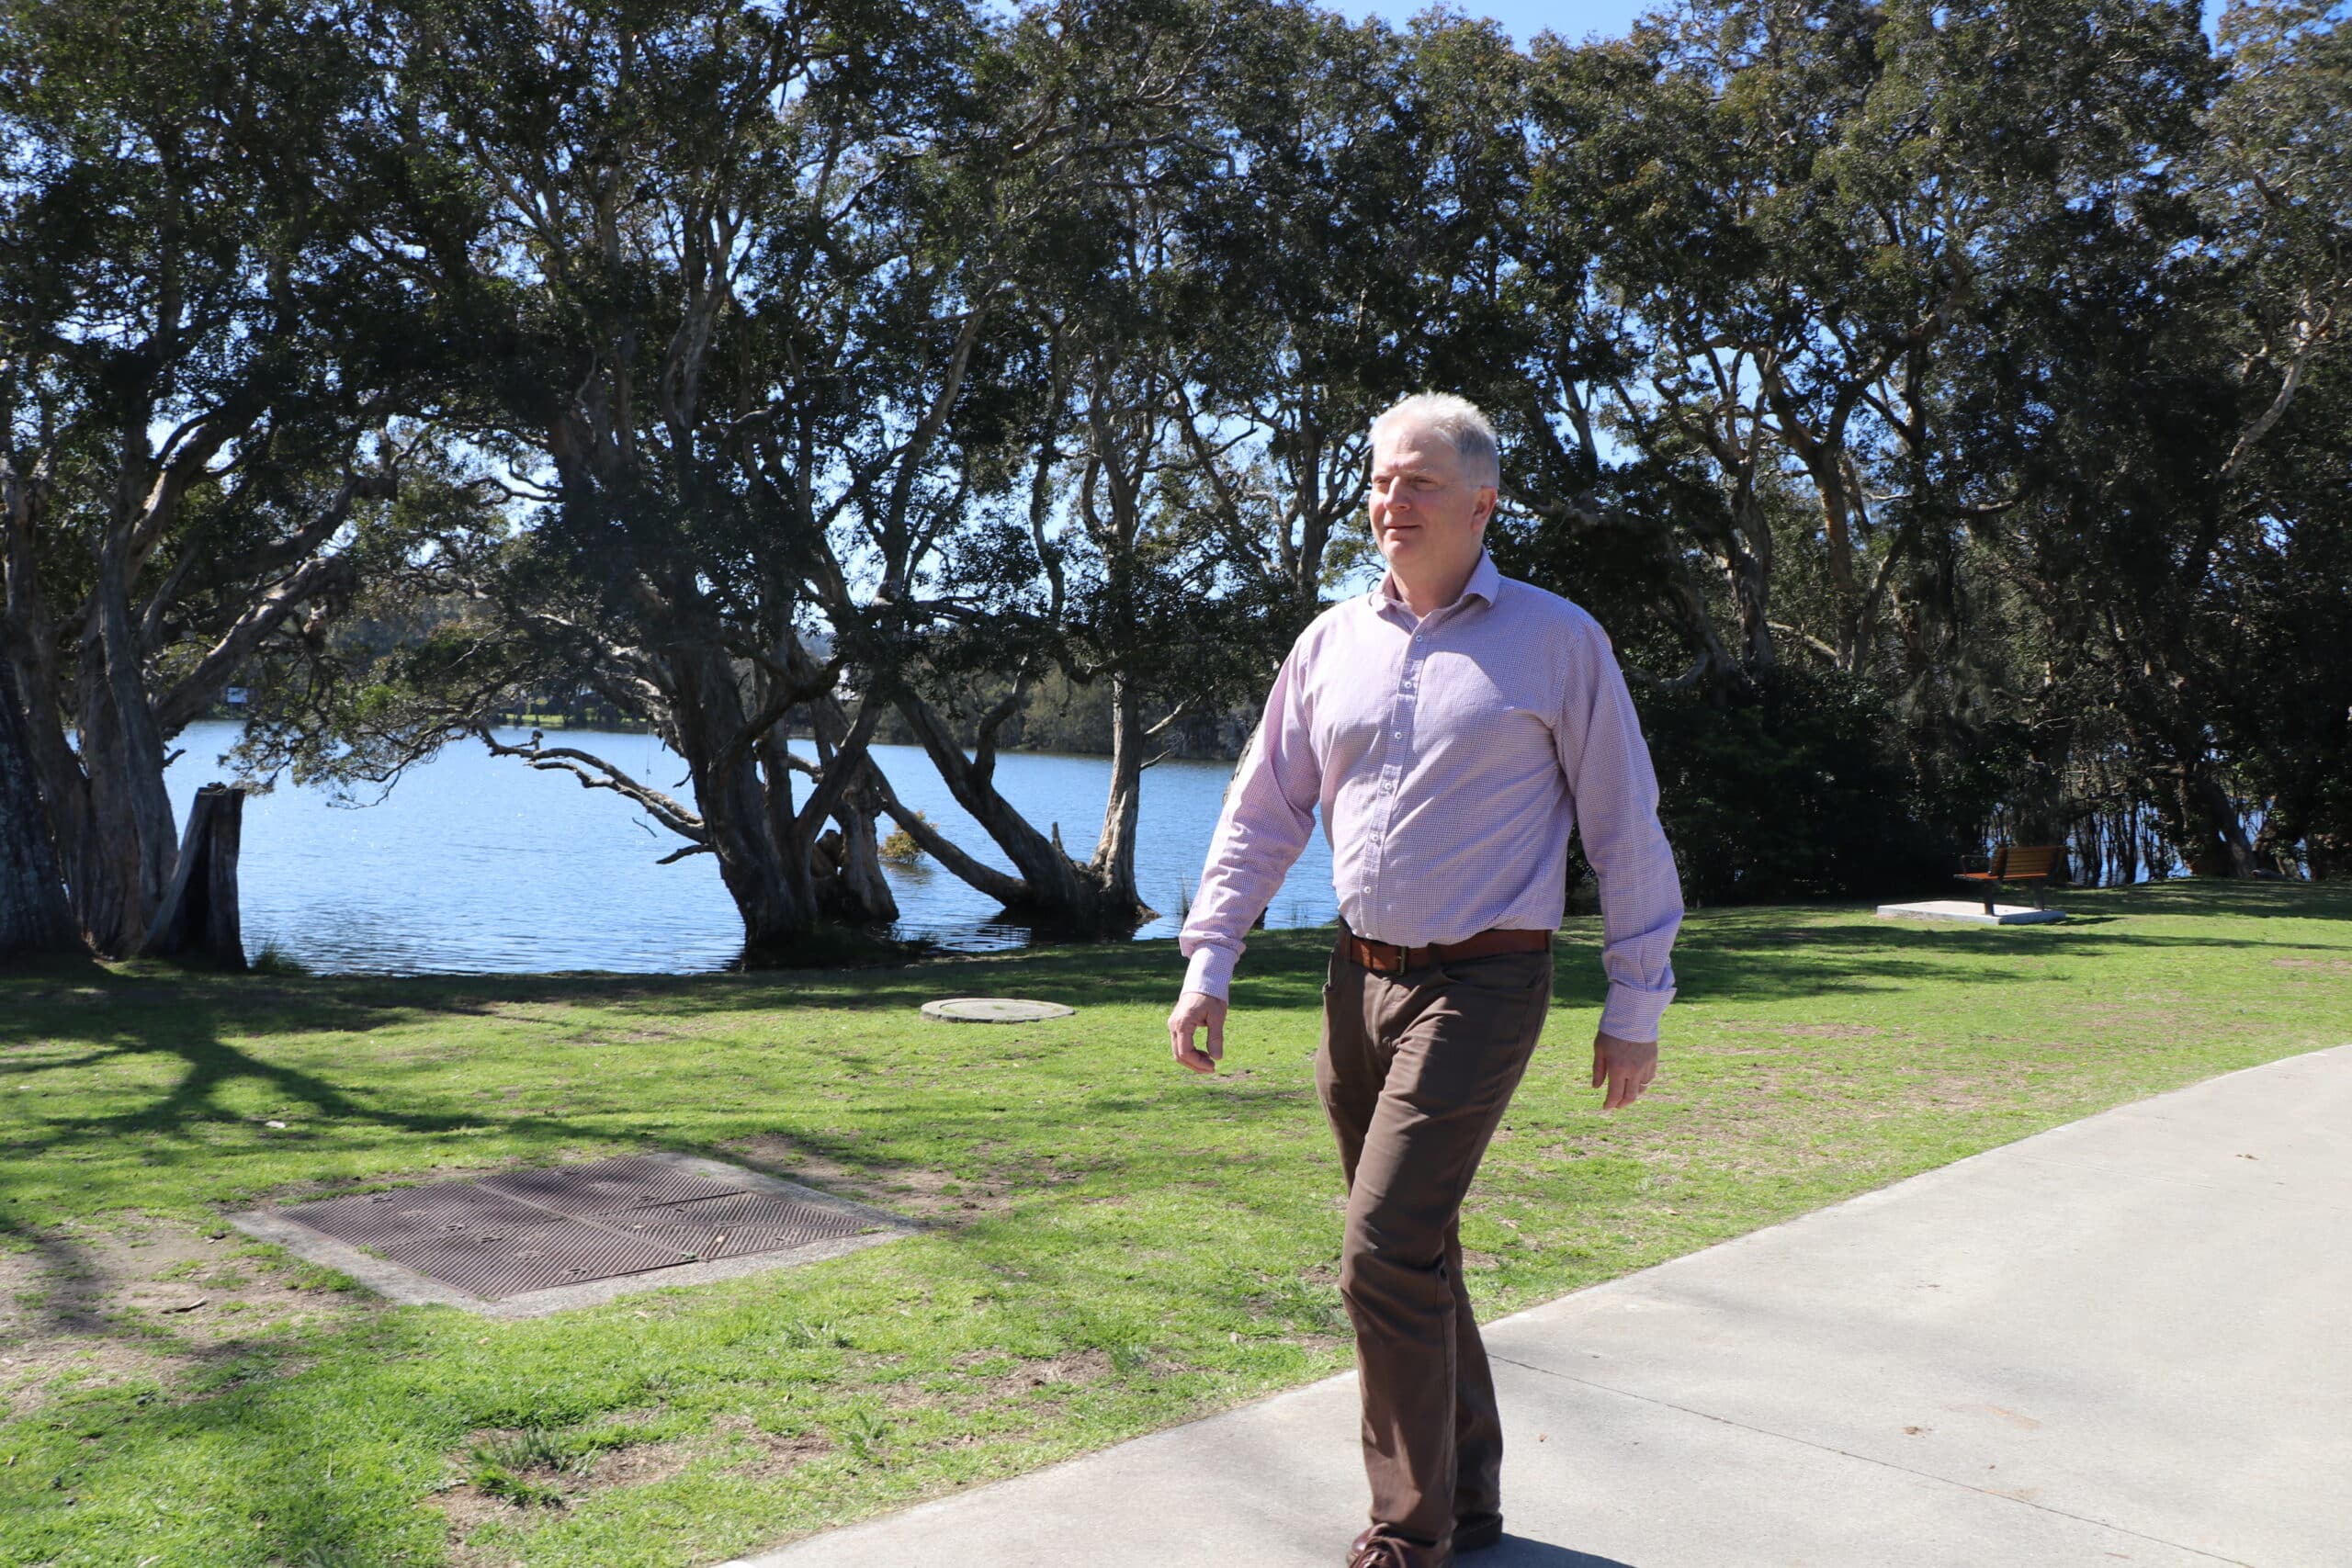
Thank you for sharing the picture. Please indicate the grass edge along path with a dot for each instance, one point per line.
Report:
(1113, 1246)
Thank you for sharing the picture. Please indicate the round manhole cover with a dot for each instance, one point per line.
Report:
(993, 1010)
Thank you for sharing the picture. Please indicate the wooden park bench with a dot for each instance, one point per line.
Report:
(2016, 863)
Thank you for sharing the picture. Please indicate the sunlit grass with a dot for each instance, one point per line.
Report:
(1112, 1244)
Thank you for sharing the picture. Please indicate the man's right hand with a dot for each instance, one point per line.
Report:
(1197, 1010)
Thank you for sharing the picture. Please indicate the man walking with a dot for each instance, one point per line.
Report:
(1453, 725)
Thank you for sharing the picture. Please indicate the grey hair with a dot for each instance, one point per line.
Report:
(1463, 426)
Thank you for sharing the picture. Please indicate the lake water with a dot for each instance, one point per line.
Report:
(479, 864)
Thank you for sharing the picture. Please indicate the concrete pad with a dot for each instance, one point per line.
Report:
(1971, 912)
(2119, 1342)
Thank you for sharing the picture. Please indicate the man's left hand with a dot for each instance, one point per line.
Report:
(1626, 1065)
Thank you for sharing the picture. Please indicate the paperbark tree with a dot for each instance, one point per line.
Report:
(722, 251)
(1396, 162)
(34, 918)
(2277, 188)
(1091, 571)
(1794, 207)
(199, 382)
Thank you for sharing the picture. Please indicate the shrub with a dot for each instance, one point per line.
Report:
(899, 848)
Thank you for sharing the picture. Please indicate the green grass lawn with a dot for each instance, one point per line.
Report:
(1112, 1245)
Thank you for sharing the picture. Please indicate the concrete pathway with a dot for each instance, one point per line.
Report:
(2126, 1341)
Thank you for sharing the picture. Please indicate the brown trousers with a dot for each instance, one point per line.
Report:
(1415, 1071)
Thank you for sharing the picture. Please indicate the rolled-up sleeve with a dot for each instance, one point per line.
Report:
(1615, 796)
(1269, 815)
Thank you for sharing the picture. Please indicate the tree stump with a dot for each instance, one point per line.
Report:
(199, 916)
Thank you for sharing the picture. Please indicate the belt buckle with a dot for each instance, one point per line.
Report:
(1378, 952)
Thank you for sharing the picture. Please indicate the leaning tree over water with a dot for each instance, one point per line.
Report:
(207, 391)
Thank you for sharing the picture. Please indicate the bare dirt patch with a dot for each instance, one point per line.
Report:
(640, 1464)
(466, 1510)
(933, 1197)
(2324, 965)
(499, 1487)
(780, 1452)
(1076, 1368)
(88, 1309)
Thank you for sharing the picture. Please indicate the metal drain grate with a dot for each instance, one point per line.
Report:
(493, 1264)
(586, 1191)
(739, 1226)
(379, 1220)
(532, 1230)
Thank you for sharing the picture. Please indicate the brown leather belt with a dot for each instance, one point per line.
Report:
(1387, 958)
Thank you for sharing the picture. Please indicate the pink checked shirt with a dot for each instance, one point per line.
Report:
(1451, 755)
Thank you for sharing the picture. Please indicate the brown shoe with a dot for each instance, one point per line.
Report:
(1370, 1551)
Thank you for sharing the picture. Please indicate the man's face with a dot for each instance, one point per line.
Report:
(1427, 518)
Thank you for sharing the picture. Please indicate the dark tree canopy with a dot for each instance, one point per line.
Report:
(1944, 406)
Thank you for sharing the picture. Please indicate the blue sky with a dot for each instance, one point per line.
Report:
(1572, 19)
(1522, 19)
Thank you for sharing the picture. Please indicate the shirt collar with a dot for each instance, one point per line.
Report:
(1484, 583)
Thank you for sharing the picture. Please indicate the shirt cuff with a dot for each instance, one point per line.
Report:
(1633, 1014)
(1210, 971)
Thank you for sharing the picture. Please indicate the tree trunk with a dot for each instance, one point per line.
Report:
(1113, 868)
(34, 918)
(1007, 890)
(2219, 846)
(1714, 667)
(197, 915)
(1748, 566)
(116, 839)
(1056, 893)
(857, 892)
(112, 883)
(769, 882)
(861, 893)
(126, 764)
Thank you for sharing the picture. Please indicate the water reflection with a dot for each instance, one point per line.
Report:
(477, 864)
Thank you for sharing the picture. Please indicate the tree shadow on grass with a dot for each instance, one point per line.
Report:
(295, 1504)
(1745, 955)
(2261, 898)
(210, 1036)
(1739, 956)
(194, 1030)
(212, 1032)
(1766, 956)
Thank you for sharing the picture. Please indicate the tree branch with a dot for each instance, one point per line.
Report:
(196, 692)
(671, 813)
(996, 884)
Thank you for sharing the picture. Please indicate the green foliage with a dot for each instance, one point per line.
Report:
(271, 958)
(899, 848)
(864, 1436)
(494, 1480)
(814, 1337)
(1942, 405)
(1799, 794)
